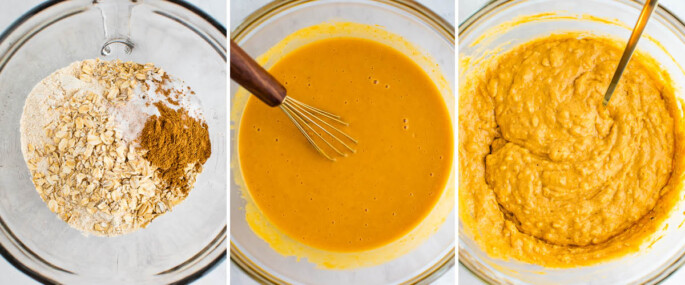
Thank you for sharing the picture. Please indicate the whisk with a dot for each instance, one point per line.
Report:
(315, 124)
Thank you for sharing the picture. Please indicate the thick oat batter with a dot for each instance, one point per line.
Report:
(550, 176)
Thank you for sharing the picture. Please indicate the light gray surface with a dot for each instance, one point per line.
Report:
(240, 9)
(466, 9)
(12, 10)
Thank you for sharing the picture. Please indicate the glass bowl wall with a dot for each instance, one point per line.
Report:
(178, 246)
(261, 31)
(666, 45)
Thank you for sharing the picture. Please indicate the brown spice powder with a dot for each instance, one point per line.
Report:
(167, 92)
(174, 140)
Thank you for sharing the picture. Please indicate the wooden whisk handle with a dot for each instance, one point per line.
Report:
(250, 75)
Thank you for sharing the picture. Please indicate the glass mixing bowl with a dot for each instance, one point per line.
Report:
(665, 42)
(268, 26)
(179, 246)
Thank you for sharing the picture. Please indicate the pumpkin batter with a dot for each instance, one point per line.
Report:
(401, 164)
(550, 176)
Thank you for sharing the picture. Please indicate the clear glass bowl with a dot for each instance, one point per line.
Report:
(179, 246)
(648, 266)
(268, 26)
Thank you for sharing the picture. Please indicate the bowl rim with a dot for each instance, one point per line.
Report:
(3, 227)
(486, 10)
(256, 18)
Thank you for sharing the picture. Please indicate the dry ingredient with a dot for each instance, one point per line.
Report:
(79, 138)
(174, 142)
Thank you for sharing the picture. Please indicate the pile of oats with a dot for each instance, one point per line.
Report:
(82, 165)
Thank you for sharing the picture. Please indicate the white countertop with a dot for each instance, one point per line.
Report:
(13, 9)
(466, 9)
(241, 9)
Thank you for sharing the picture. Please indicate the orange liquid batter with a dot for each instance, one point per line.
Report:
(374, 196)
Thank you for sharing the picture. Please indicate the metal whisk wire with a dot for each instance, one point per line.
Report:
(312, 122)
(308, 119)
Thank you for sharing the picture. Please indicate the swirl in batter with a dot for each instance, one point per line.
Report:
(550, 176)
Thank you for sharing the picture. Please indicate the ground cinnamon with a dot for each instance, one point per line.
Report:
(174, 140)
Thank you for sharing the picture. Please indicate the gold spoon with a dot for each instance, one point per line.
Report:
(630, 47)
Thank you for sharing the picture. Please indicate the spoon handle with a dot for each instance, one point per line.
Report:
(630, 47)
(250, 75)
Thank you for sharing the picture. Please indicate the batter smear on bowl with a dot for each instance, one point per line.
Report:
(401, 165)
(550, 176)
